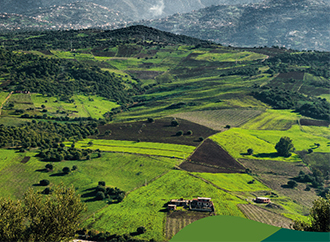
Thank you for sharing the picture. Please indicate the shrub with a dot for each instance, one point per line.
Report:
(308, 188)
(189, 132)
(250, 151)
(66, 170)
(100, 188)
(292, 184)
(141, 230)
(200, 139)
(102, 183)
(179, 133)
(175, 123)
(49, 167)
(47, 190)
(151, 120)
(44, 182)
(100, 195)
(310, 151)
(227, 126)
(90, 143)
(74, 168)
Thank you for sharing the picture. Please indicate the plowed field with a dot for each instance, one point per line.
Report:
(160, 131)
(211, 154)
(264, 216)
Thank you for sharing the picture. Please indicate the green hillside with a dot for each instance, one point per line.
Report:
(138, 108)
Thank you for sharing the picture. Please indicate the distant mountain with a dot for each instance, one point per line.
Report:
(76, 15)
(297, 24)
(133, 9)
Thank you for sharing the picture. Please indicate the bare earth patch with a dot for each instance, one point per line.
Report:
(211, 154)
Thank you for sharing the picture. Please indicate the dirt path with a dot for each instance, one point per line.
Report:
(5, 101)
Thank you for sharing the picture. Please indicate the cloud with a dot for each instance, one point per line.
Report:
(158, 9)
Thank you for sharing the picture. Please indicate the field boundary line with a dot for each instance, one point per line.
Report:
(6, 100)
(148, 182)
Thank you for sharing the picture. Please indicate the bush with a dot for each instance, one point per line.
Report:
(227, 127)
(179, 133)
(100, 188)
(66, 170)
(250, 151)
(100, 195)
(49, 167)
(189, 132)
(102, 183)
(151, 120)
(47, 191)
(292, 184)
(141, 230)
(74, 168)
(200, 139)
(44, 182)
(175, 123)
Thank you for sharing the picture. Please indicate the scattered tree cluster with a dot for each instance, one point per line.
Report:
(43, 134)
(63, 78)
(284, 99)
(103, 192)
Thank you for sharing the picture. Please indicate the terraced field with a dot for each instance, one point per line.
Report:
(273, 120)
(133, 147)
(218, 119)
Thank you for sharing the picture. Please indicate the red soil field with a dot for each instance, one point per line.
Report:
(209, 153)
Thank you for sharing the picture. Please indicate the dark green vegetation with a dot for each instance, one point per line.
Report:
(294, 24)
(100, 116)
(55, 217)
(319, 215)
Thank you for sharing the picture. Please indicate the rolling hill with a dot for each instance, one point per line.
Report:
(136, 117)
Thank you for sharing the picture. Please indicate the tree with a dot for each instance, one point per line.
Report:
(250, 151)
(284, 147)
(319, 217)
(179, 133)
(66, 170)
(44, 183)
(38, 218)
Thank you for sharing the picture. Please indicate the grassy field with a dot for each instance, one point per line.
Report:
(144, 207)
(233, 182)
(231, 57)
(82, 107)
(273, 120)
(218, 119)
(147, 148)
(125, 171)
(236, 141)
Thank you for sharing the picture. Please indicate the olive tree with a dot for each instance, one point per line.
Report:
(284, 147)
(319, 217)
(36, 217)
